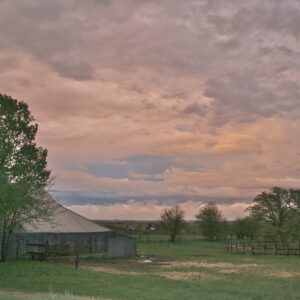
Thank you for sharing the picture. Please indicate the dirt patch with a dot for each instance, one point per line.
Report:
(171, 270)
(207, 265)
(44, 295)
(284, 274)
(247, 266)
(169, 275)
(229, 271)
(109, 270)
(187, 275)
(223, 268)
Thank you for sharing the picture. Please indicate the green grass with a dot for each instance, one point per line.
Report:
(145, 281)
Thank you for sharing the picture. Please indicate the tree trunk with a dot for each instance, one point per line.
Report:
(3, 243)
(2, 257)
(8, 228)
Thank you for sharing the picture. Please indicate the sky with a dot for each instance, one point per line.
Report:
(143, 104)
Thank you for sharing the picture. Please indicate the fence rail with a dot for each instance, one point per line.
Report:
(267, 248)
(164, 238)
(37, 251)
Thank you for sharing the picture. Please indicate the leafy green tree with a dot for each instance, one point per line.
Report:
(172, 221)
(245, 227)
(23, 171)
(275, 208)
(210, 220)
(291, 227)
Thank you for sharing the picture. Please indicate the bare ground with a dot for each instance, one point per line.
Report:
(283, 274)
(48, 296)
(173, 266)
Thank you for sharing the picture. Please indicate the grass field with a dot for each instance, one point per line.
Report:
(187, 270)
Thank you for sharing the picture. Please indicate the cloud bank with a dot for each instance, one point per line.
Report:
(143, 102)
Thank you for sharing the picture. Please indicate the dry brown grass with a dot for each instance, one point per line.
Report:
(188, 275)
(229, 271)
(207, 265)
(284, 275)
(199, 270)
(174, 275)
(110, 270)
(45, 296)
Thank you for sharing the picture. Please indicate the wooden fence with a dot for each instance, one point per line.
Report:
(37, 251)
(164, 238)
(262, 247)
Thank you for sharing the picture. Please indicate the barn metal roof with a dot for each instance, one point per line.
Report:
(65, 221)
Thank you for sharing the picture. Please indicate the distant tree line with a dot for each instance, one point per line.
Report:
(273, 215)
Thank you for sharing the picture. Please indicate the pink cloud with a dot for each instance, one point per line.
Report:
(166, 79)
(133, 210)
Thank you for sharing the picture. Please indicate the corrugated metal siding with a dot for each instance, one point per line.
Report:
(121, 246)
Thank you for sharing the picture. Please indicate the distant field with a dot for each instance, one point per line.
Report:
(186, 270)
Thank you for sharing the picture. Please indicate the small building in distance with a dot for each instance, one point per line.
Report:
(69, 233)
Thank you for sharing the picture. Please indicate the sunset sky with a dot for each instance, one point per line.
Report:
(148, 103)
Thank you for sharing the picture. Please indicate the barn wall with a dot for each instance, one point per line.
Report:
(66, 243)
(121, 247)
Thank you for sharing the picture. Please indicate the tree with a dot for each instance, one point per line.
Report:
(23, 171)
(245, 227)
(210, 221)
(292, 226)
(275, 209)
(172, 220)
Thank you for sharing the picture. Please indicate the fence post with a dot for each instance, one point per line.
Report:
(76, 254)
(46, 249)
(299, 247)
(275, 249)
(17, 246)
(236, 246)
(243, 247)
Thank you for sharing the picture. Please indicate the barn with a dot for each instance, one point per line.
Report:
(69, 233)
